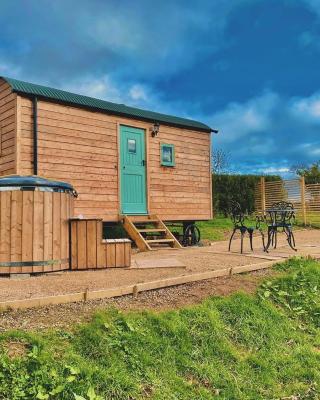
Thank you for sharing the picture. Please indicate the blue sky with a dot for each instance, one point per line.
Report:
(250, 68)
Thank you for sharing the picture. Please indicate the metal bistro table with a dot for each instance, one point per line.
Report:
(280, 217)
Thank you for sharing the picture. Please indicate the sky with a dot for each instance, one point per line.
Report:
(249, 68)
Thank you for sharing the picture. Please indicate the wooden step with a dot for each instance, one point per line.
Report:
(145, 221)
(160, 240)
(135, 234)
(152, 230)
(131, 224)
(138, 219)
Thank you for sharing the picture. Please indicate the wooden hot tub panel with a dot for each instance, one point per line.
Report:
(34, 231)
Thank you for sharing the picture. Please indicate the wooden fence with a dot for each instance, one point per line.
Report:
(305, 198)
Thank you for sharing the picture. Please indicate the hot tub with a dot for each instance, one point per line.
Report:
(34, 224)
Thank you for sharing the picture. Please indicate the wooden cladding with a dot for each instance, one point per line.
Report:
(90, 251)
(8, 129)
(34, 234)
(81, 147)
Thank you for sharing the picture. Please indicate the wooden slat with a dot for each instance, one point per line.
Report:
(127, 254)
(56, 229)
(101, 248)
(5, 229)
(74, 245)
(47, 229)
(64, 226)
(160, 241)
(150, 230)
(27, 229)
(38, 229)
(82, 244)
(111, 254)
(92, 244)
(120, 255)
(16, 229)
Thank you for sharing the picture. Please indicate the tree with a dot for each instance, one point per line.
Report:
(219, 161)
(311, 173)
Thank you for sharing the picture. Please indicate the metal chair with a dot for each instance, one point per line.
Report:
(238, 218)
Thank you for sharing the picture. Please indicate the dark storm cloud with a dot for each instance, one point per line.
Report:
(248, 67)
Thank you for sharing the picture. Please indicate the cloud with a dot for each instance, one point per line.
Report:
(220, 62)
(270, 132)
(314, 5)
(8, 69)
(239, 120)
(131, 39)
(102, 88)
(132, 94)
(138, 92)
(160, 41)
(308, 108)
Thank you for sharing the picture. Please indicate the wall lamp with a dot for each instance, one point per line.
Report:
(155, 129)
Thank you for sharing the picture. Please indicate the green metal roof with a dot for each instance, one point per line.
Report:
(112, 108)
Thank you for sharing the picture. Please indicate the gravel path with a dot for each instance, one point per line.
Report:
(196, 260)
(64, 316)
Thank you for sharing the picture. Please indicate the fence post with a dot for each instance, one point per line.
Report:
(303, 200)
(263, 193)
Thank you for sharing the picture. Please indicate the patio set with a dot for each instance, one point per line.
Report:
(278, 218)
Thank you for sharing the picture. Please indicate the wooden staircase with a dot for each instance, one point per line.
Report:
(149, 232)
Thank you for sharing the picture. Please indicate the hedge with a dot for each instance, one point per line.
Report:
(240, 188)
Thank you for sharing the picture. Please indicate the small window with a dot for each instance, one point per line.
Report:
(167, 155)
(132, 148)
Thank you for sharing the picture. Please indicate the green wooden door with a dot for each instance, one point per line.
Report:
(133, 171)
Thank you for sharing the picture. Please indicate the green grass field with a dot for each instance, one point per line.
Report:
(216, 229)
(262, 346)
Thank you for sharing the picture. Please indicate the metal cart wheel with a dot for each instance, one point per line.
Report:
(191, 235)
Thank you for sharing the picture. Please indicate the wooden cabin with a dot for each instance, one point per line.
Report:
(126, 164)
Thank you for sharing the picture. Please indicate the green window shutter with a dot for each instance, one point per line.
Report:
(167, 155)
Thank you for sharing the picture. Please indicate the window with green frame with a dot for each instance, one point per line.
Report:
(167, 155)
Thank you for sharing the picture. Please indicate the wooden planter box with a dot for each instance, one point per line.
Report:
(90, 251)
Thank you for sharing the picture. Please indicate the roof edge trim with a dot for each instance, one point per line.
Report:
(64, 97)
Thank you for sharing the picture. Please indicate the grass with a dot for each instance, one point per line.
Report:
(215, 229)
(262, 346)
(218, 228)
(313, 219)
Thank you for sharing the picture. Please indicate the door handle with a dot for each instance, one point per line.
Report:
(143, 163)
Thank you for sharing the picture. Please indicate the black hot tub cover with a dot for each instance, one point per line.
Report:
(34, 181)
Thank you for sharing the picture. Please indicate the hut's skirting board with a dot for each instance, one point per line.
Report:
(131, 289)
